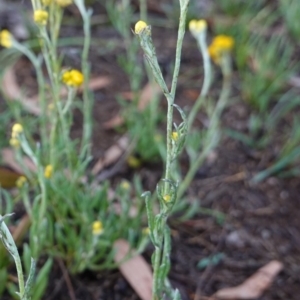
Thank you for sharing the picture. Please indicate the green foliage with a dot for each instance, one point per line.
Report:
(266, 75)
(290, 10)
(240, 7)
(287, 160)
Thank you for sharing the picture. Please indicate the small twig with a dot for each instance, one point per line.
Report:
(67, 279)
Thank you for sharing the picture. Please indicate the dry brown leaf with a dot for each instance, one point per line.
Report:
(12, 91)
(95, 84)
(136, 270)
(254, 286)
(8, 157)
(114, 122)
(127, 95)
(8, 178)
(150, 91)
(112, 154)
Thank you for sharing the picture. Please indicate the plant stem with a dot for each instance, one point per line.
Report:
(171, 98)
(85, 66)
(156, 265)
(207, 79)
(20, 275)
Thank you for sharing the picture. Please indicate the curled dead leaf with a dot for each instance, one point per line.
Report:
(135, 270)
(254, 286)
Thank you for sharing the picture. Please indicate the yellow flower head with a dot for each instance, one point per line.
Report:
(51, 107)
(14, 142)
(40, 17)
(167, 198)
(146, 231)
(140, 26)
(197, 26)
(21, 181)
(175, 135)
(125, 185)
(63, 3)
(133, 162)
(97, 228)
(48, 171)
(5, 38)
(220, 45)
(73, 78)
(16, 130)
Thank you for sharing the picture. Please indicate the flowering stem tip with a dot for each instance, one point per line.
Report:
(5, 38)
(140, 26)
(73, 78)
(40, 17)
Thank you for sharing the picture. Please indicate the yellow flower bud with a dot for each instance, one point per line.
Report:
(73, 78)
(16, 130)
(40, 17)
(48, 171)
(5, 38)
(21, 181)
(220, 45)
(125, 185)
(146, 231)
(167, 198)
(140, 26)
(14, 142)
(197, 26)
(51, 107)
(224, 42)
(133, 162)
(175, 135)
(97, 228)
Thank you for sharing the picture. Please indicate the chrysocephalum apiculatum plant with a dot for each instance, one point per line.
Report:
(69, 219)
(167, 188)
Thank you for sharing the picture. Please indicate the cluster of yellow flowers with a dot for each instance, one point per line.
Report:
(17, 129)
(6, 38)
(73, 78)
(40, 17)
(220, 45)
(21, 181)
